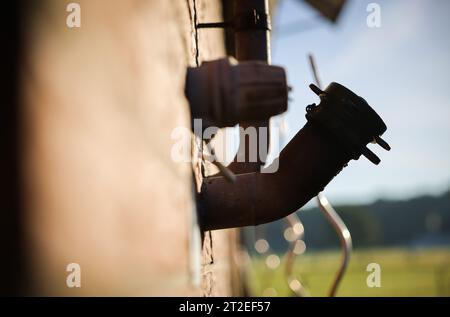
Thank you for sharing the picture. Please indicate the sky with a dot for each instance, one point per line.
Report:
(402, 69)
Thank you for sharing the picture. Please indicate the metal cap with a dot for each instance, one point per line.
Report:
(350, 118)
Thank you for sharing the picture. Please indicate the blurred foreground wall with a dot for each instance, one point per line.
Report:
(99, 104)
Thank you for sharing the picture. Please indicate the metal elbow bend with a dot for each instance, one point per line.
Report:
(306, 165)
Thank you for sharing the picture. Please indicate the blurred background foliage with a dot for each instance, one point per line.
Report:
(410, 239)
(404, 272)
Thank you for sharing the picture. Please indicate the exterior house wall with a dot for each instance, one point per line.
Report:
(100, 104)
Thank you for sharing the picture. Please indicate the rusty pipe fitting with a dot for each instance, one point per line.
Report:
(305, 166)
(350, 118)
(225, 92)
(251, 42)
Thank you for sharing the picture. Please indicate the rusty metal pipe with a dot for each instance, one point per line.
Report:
(252, 42)
(306, 165)
(338, 130)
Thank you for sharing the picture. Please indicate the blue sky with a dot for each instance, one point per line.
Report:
(402, 69)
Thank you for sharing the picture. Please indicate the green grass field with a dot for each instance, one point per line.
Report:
(403, 273)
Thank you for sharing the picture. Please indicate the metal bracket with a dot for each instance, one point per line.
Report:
(252, 20)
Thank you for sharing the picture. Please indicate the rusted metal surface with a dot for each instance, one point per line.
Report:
(100, 185)
(306, 165)
(251, 44)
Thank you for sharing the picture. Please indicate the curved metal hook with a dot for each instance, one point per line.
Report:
(345, 239)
